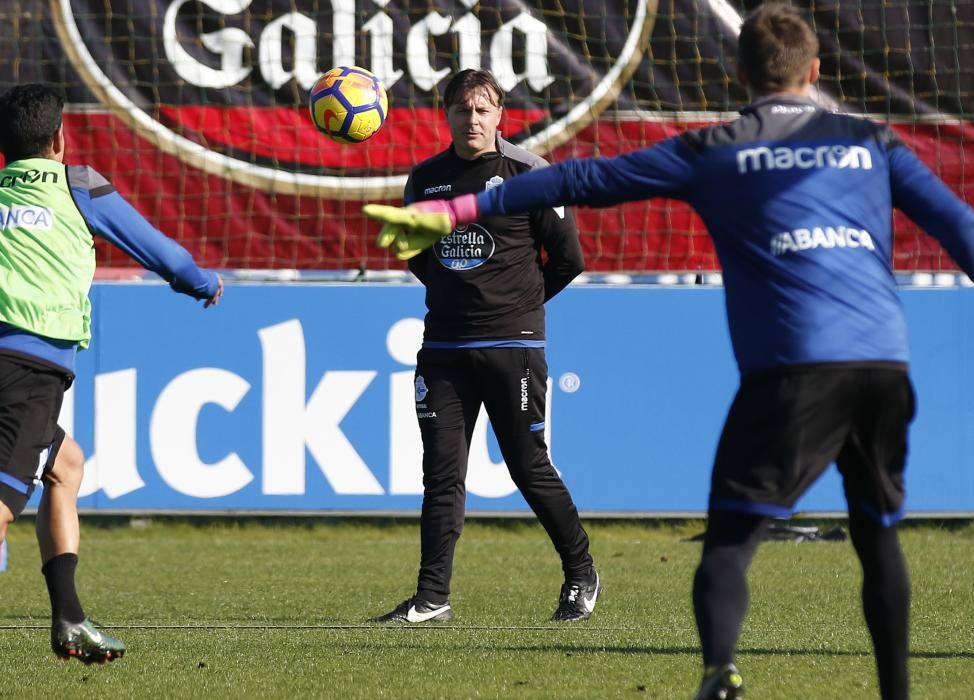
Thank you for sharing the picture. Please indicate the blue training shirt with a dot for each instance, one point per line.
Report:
(798, 201)
(113, 218)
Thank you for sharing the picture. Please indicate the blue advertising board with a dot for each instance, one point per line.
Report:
(299, 397)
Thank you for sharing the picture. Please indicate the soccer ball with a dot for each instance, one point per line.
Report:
(348, 104)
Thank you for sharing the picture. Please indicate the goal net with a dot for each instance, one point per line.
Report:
(196, 109)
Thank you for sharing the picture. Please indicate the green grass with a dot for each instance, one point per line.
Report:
(277, 609)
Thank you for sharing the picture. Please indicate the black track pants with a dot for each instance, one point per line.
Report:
(511, 383)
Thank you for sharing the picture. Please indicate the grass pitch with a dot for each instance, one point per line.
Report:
(277, 609)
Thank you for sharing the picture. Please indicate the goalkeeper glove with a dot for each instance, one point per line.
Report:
(405, 245)
(411, 230)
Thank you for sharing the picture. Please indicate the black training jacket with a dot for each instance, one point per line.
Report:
(489, 280)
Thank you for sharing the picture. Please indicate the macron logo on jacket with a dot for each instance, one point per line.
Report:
(803, 157)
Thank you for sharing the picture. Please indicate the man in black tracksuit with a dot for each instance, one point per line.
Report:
(486, 284)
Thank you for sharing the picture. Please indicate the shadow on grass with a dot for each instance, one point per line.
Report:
(572, 649)
(567, 649)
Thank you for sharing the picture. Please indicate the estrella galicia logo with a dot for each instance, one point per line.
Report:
(421, 390)
(223, 84)
(466, 248)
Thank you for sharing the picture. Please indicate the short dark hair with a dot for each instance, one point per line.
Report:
(471, 79)
(775, 48)
(30, 115)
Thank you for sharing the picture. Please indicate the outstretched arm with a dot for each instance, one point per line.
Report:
(112, 217)
(664, 170)
(924, 197)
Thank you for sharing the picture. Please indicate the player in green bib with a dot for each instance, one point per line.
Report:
(49, 215)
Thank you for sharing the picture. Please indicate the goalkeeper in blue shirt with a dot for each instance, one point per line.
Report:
(798, 202)
(49, 213)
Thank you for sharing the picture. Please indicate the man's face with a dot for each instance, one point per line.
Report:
(473, 120)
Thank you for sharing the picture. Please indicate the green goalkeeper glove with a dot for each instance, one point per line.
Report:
(405, 245)
(410, 230)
